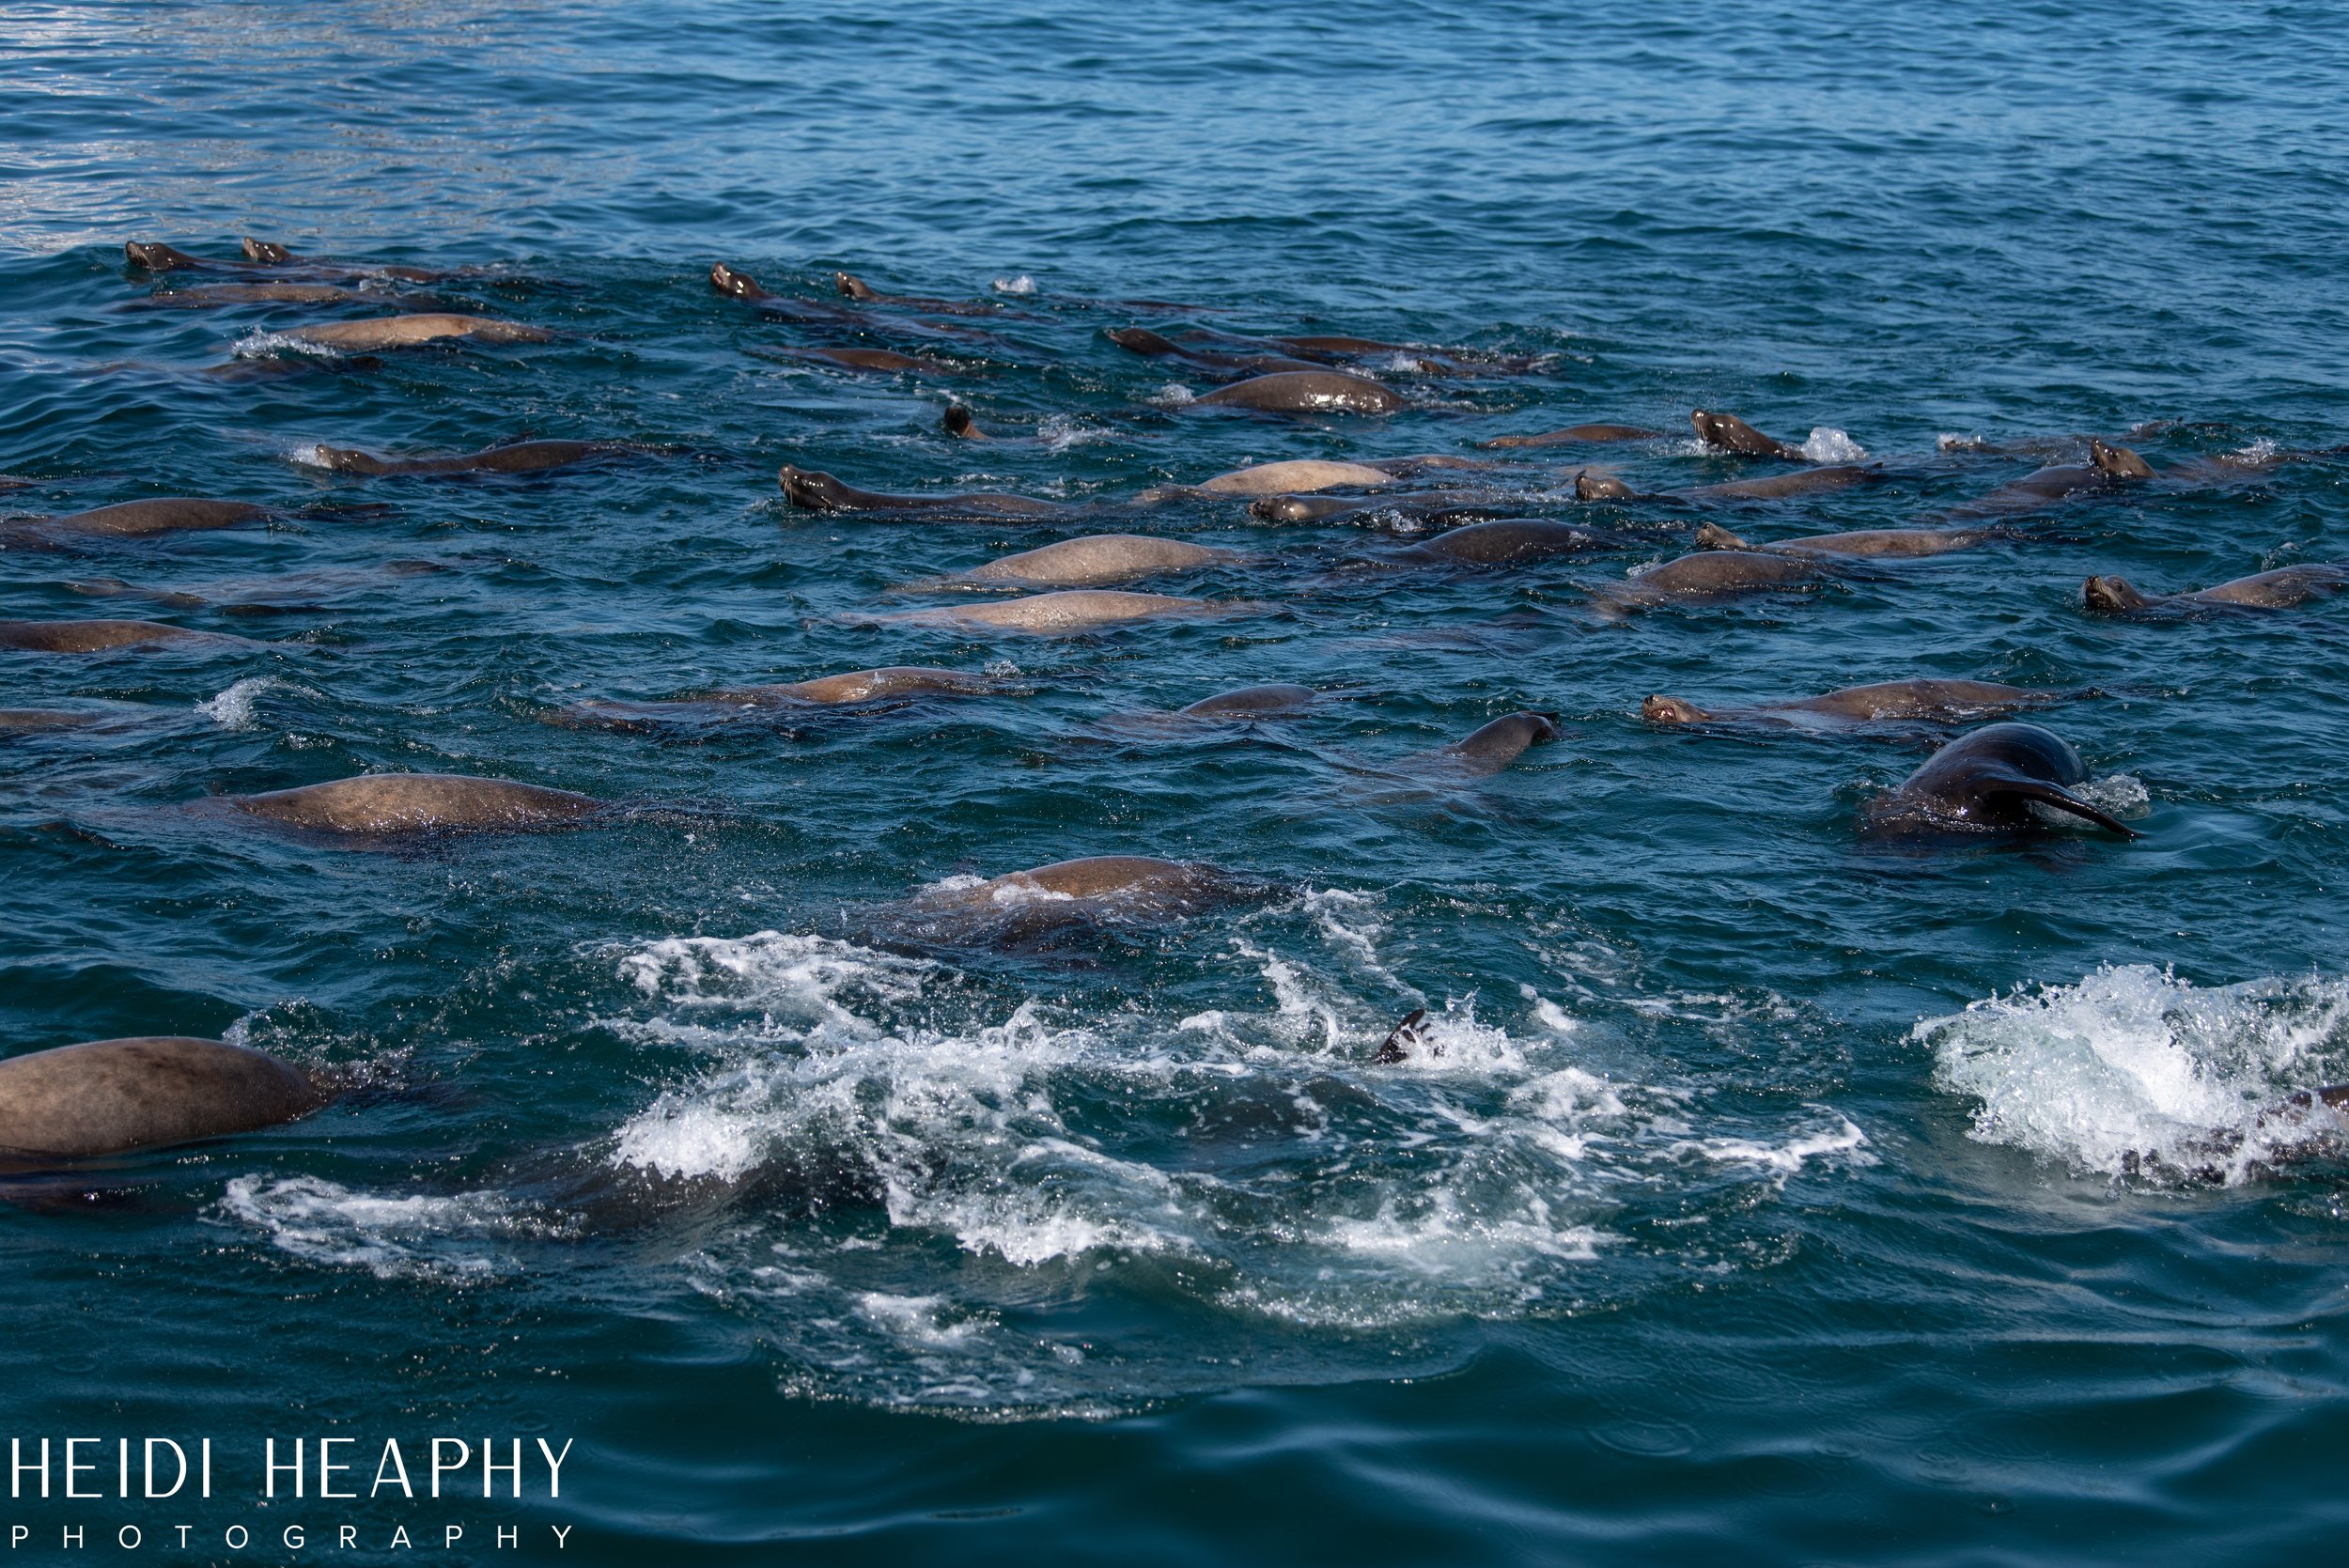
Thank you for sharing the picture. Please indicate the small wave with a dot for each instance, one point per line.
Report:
(1058, 432)
(1173, 395)
(2133, 1070)
(2261, 450)
(233, 708)
(323, 1222)
(1826, 444)
(262, 345)
(309, 455)
(1021, 285)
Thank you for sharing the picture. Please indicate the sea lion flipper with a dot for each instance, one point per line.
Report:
(2058, 798)
(1402, 1037)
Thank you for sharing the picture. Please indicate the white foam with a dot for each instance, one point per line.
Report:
(233, 708)
(1826, 444)
(310, 455)
(1173, 395)
(2121, 794)
(1789, 1157)
(323, 1222)
(1021, 285)
(2133, 1067)
(261, 344)
(1058, 432)
(2261, 450)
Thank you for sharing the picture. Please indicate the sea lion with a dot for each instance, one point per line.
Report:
(1098, 558)
(268, 253)
(140, 519)
(1508, 540)
(960, 424)
(737, 285)
(2108, 470)
(1577, 434)
(155, 256)
(2281, 589)
(1591, 485)
(1714, 574)
(1415, 506)
(1929, 700)
(821, 492)
(1495, 746)
(396, 332)
(1866, 542)
(1405, 1038)
(387, 803)
(1304, 392)
(858, 290)
(1780, 487)
(214, 295)
(1985, 781)
(1733, 434)
(517, 456)
(105, 636)
(1140, 340)
(1253, 702)
(1125, 885)
(112, 1097)
(1074, 610)
(877, 361)
(890, 683)
(31, 721)
(1296, 477)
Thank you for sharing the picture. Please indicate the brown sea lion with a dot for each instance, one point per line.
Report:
(398, 332)
(1417, 506)
(1866, 542)
(1592, 485)
(1296, 477)
(1495, 746)
(1733, 434)
(2282, 589)
(1075, 610)
(1099, 558)
(2109, 471)
(213, 296)
(877, 361)
(1150, 345)
(822, 492)
(139, 519)
(1253, 702)
(893, 683)
(518, 457)
(858, 290)
(376, 804)
(1987, 781)
(1575, 435)
(1304, 392)
(268, 253)
(960, 424)
(112, 1097)
(1782, 487)
(1928, 699)
(154, 257)
(1712, 575)
(105, 636)
(1506, 541)
(1129, 884)
(31, 721)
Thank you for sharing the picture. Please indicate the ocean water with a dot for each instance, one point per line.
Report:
(1777, 1192)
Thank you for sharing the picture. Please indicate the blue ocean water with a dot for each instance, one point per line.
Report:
(1778, 1192)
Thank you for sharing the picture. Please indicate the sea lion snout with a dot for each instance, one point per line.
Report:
(726, 280)
(2110, 596)
(817, 492)
(157, 257)
(267, 251)
(2118, 462)
(1590, 485)
(1671, 710)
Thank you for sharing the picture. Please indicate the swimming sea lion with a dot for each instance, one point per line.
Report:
(821, 492)
(1985, 781)
(1140, 340)
(960, 424)
(1296, 477)
(858, 290)
(139, 519)
(157, 257)
(1417, 506)
(2108, 470)
(2281, 589)
(1733, 434)
(1591, 485)
(1495, 746)
(1098, 558)
(878, 361)
(31, 721)
(736, 285)
(1305, 391)
(1713, 574)
(218, 294)
(1779, 487)
(396, 332)
(518, 457)
(1253, 702)
(111, 1096)
(268, 253)
(386, 803)
(1865, 541)
(1075, 610)
(890, 683)
(1575, 434)
(1508, 540)
(1406, 1038)
(104, 636)
(1126, 885)
(1932, 700)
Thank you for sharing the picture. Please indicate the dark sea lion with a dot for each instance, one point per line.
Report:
(893, 683)
(105, 636)
(1577, 434)
(156, 257)
(2282, 589)
(31, 721)
(212, 296)
(1406, 1038)
(1780, 487)
(396, 332)
(268, 253)
(1714, 574)
(1495, 746)
(1591, 485)
(388, 803)
(1733, 434)
(1098, 558)
(1928, 699)
(1075, 610)
(1305, 391)
(2108, 470)
(858, 290)
(518, 457)
(140, 519)
(1418, 506)
(1985, 781)
(112, 1097)
(822, 492)
(1150, 345)
(960, 424)
(1508, 540)
(1123, 885)
(878, 361)
(1900, 542)
(737, 285)
(1253, 702)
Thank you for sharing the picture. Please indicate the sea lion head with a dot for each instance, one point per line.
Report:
(855, 288)
(1142, 340)
(267, 251)
(817, 492)
(1733, 434)
(157, 257)
(1284, 508)
(1714, 536)
(2111, 596)
(1590, 485)
(349, 459)
(726, 280)
(1505, 738)
(2118, 462)
(958, 423)
(1671, 711)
